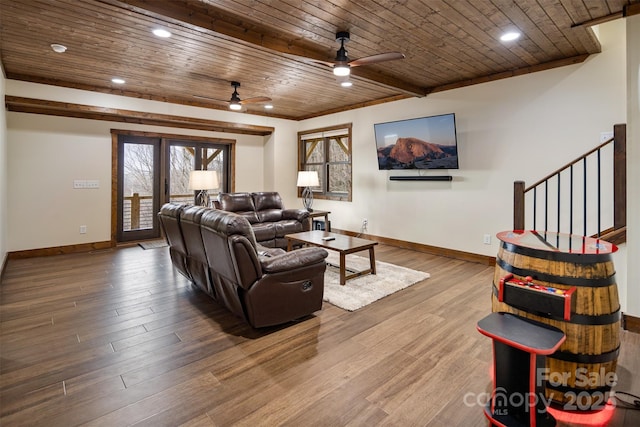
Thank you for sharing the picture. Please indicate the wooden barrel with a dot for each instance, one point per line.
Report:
(581, 373)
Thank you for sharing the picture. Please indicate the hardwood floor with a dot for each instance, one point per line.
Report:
(117, 337)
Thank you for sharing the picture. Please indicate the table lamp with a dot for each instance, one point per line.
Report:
(203, 181)
(307, 179)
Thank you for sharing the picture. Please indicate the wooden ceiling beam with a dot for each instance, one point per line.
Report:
(512, 73)
(240, 29)
(631, 9)
(66, 109)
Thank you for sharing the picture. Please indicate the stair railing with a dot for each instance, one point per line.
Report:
(565, 205)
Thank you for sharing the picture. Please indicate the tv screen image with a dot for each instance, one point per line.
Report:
(422, 143)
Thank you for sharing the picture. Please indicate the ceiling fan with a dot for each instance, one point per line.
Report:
(235, 103)
(342, 64)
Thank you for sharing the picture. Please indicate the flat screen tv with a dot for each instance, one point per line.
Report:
(423, 143)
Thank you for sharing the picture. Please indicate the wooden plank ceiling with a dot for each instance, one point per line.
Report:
(272, 47)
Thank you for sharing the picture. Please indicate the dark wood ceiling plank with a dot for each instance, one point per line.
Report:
(231, 26)
(225, 91)
(542, 19)
(473, 41)
(487, 33)
(631, 9)
(425, 23)
(311, 22)
(424, 46)
(447, 44)
(579, 13)
(372, 73)
(183, 55)
(513, 73)
(583, 40)
(546, 49)
(596, 9)
(368, 37)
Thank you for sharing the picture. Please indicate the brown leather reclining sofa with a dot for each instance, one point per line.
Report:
(218, 252)
(266, 214)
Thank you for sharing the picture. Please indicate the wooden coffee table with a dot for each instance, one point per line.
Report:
(341, 243)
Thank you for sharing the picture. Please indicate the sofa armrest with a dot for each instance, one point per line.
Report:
(263, 251)
(297, 214)
(292, 260)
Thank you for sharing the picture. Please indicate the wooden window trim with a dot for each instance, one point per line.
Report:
(303, 156)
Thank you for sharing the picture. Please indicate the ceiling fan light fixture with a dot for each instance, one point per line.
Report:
(344, 81)
(341, 70)
(235, 106)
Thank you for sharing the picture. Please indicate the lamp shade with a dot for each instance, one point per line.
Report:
(203, 180)
(308, 179)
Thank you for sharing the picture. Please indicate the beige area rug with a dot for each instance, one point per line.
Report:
(364, 290)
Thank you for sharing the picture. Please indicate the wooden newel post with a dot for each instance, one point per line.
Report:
(619, 176)
(135, 211)
(518, 205)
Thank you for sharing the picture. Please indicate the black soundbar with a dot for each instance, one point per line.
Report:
(422, 178)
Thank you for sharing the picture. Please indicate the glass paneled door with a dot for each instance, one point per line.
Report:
(138, 187)
(185, 156)
(153, 171)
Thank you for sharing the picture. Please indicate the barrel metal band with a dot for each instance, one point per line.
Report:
(609, 356)
(577, 319)
(566, 389)
(563, 280)
(571, 257)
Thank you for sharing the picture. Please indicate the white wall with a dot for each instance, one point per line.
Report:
(3, 175)
(47, 153)
(633, 165)
(281, 163)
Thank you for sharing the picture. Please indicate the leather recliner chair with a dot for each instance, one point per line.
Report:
(170, 223)
(264, 286)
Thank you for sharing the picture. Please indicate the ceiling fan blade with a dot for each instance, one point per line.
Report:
(226, 101)
(381, 57)
(327, 63)
(255, 100)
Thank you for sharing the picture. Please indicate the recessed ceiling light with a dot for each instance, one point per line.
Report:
(161, 32)
(346, 84)
(510, 36)
(268, 107)
(59, 48)
(117, 81)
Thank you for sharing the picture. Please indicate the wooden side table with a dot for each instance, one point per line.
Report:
(317, 214)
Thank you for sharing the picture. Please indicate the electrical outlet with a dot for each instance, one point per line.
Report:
(365, 223)
(83, 229)
(486, 239)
